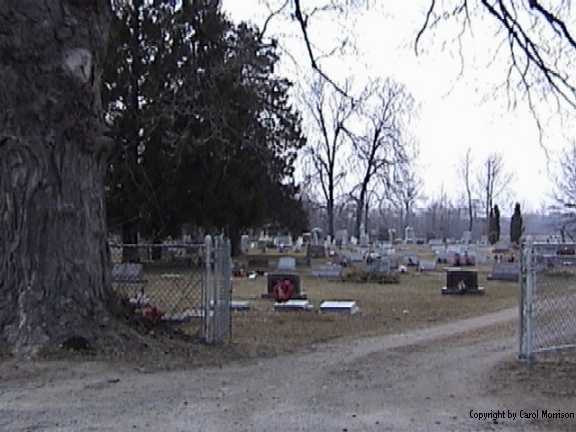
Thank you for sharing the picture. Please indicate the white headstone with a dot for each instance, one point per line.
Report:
(287, 263)
(427, 265)
(245, 244)
(409, 236)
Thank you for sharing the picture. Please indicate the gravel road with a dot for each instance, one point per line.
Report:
(427, 380)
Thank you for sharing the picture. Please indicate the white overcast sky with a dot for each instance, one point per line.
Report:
(455, 112)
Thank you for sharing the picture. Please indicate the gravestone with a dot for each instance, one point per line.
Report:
(239, 305)
(466, 237)
(245, 244)
(293, 305)
(426, 265)
(328, 272)
(456, 259)
(273, 279)
(503, 271)
(283, 243)
(315, 251)
(341, 237)
(258, 264)
(128, 273)
(339, 306)
(287, 263)
(410, 260)
(380, 266)
(364, 239)
(409, 237)
(354, 256)
(461, 281)
(391, 235)
(442, 257)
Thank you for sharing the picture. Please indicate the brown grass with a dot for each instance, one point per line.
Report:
(415, 302)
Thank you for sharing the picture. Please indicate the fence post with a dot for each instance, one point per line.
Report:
(526, 302)
(208, 292)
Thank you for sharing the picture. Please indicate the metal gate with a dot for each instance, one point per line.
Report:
(179, 282)
(547, 298)
(218, 291)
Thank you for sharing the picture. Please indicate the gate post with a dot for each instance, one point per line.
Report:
(208, 292)
(527, 281)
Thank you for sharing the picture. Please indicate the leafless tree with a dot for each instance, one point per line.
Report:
(379, 137)
(330, 112)
(493, 181)
(536, 34)
(565, 191)
(403, 190)
(465, 171)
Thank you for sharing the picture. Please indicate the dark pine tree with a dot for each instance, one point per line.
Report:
(516, 225)
(496, 223)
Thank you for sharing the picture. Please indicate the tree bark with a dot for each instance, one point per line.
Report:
(54, 260)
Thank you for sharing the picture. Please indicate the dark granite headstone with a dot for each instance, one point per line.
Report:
(461, 281)
(275, 278)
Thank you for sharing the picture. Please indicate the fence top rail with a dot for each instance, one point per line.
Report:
(552, 244)
(157, 245)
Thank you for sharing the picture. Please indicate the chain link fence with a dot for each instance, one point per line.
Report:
(548, 298)
(178, 282)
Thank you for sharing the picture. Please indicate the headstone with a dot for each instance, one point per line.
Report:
(504, 271)
(409, 237)
(391, 235)
(340, 306)
(354, 256)
(379, 266)
(127, 273)
(316, 235)
(466, 237)
(435, 242)
(239, 305)
(275, 278)
(315, 251)
(341, 238)
(461, 281)
(259, 264)
(410, 259)
(294, 305)
(364, 239)
(245, 244)
(328, 272)
(426, 265)
(287, 263)
(442, 257)
(353, 241)
(283, 243)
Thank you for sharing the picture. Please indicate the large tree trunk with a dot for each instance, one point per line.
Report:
(54, 279)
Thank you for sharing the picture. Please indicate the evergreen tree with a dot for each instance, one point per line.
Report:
(516, 225)
(213, 138)
(496, 223)
(492, 227)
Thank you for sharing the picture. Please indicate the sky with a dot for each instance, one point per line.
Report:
(459, 103)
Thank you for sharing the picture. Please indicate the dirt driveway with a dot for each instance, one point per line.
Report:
(426, 380)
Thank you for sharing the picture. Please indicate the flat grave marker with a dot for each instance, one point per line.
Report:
(293, 305)
(340, 306)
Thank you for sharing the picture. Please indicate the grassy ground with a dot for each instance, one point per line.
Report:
(415, 302)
